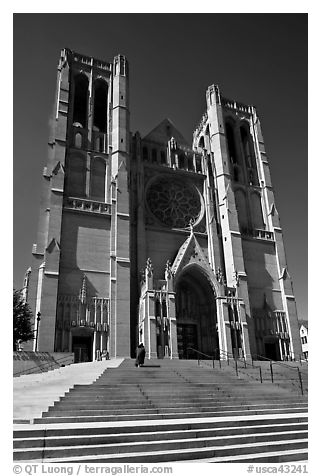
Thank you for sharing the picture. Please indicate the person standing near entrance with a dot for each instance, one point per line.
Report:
(140, 355)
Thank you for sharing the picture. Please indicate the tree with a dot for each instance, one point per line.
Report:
(21, 319)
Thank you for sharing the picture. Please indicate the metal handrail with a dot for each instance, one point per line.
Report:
(228, 355)
(241, 359)
(202, 353)
(42, 368)
(282, 364)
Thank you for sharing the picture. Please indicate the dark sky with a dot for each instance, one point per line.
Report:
(258, 59)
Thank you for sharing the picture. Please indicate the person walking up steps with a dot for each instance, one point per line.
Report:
(140, 355)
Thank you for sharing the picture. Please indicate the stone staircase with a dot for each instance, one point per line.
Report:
(169, 411)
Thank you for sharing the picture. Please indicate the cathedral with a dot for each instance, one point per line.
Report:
(155, 239)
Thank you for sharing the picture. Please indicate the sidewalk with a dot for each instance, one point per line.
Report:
(34, 393)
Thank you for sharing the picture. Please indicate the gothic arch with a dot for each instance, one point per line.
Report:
(196, 268)
(196, 312)
(201, 143)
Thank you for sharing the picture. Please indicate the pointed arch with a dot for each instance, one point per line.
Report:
(196, 312)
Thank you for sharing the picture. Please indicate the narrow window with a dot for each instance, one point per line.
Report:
(80, 111)
(230, 142)
(209, 167)
(198, 161)
(145, 153)
(100, 105)
(246, 146)
(154, 155)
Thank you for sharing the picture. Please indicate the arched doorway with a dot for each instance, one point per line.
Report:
(196, 315)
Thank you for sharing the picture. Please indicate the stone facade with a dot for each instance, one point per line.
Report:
(151, 239)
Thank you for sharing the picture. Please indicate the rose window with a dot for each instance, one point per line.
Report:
(174, 203)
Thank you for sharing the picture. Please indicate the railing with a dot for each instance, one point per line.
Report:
(229, 357)
(238, 360)
(43, 367)
(282, 364)
(211, 357)
(219, 353)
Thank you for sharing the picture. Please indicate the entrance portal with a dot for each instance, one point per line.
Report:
(272, 350)
(196, 316)
(186, 340)
(82, 348)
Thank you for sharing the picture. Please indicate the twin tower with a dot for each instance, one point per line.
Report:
(154, 239)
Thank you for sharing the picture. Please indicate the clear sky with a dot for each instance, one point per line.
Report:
(258, 59)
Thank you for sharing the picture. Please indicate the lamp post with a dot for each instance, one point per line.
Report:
(37, 330)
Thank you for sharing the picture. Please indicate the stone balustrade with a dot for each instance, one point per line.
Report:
(89, 206)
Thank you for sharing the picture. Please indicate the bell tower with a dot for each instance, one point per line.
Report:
(81, 259)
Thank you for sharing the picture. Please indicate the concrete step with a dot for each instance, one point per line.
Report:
(157, 414)
(69, 405)
(170, 454)
(285, 456)
(106, 399)
(153, 435)
(160, 445)
(42, 430)
(93, 409)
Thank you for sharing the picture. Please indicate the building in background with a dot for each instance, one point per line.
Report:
(304, 339)
(155, 239)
